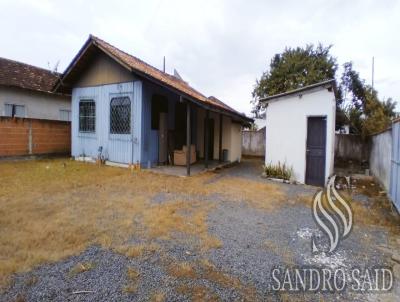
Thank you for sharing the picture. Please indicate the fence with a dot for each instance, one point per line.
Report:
(380, 157)
(395, 165)
(25, 136)
(351, 147)
(253, 143)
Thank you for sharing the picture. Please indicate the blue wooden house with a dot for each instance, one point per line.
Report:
(127, 111)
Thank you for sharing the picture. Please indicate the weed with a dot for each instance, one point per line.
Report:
(281, 171)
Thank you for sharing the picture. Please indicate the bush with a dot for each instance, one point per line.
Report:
(279, 170)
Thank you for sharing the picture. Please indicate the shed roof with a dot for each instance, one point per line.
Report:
(140, 68)
(21, 75)
(325, 84)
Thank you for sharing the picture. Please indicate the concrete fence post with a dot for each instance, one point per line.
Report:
(30, 143)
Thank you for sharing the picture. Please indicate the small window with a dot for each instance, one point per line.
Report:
(65, 115)
(120, 115)
(87, 116)
(14, 110)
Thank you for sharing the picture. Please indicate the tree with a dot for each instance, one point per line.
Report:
(295, 68)
(365, 112)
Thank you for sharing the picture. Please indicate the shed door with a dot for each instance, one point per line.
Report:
(316, 151)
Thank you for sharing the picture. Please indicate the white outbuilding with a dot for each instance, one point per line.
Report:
(300, 131)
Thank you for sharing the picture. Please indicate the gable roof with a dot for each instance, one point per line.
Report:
(325, 84)
(141, 68)
(21, 75)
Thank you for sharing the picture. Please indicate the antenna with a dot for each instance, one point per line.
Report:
(164, 64)
(373, 63)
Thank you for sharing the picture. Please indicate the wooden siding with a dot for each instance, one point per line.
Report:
(117, 148)
(104, 70)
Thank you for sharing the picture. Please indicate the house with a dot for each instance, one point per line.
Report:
(33, 119)
(27, 91)
(129, 112)
(300, 131)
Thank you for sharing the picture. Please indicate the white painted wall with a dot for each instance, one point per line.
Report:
(381, 156)
(38, 105)
(286, 130)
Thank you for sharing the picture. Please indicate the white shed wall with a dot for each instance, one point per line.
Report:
(286, 130)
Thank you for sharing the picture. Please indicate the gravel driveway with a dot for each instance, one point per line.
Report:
(253, 242)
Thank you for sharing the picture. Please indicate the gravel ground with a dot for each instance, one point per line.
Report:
(254, 242)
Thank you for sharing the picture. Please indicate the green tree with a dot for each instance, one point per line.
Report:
(365, 112)
(295, 68)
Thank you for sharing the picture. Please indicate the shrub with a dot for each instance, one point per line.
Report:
(281, 171)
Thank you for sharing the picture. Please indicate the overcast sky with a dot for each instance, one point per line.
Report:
(219, 47)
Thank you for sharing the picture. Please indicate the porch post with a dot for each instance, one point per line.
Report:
(188, 143)
(206, 138)
(220, 137)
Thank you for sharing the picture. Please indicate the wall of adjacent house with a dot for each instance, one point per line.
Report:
(253, 143)
(351, 147)
(236, 142)
(230, 135)
(286, 129)
(104, 70)
(380, 157)
(25, 136)
(38, 105)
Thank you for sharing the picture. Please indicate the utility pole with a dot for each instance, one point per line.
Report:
(164, 64)
(373, 63)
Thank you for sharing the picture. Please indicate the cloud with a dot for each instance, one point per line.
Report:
(220, 47)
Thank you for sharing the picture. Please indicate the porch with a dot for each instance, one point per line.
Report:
(182, 137)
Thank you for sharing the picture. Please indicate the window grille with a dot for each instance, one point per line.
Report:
(87, 116)
(120, 115)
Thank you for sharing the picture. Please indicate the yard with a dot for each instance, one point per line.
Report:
(81, 232)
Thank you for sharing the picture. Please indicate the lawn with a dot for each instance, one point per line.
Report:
(67, 219)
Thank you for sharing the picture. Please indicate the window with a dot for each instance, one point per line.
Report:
(65, 115)
(87, 116)
(120, 115)
(14, 110)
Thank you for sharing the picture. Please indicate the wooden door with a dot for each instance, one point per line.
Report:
(210, 138)
(316, 151)
(162, 138)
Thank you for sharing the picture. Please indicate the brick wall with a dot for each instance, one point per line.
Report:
(24, 136)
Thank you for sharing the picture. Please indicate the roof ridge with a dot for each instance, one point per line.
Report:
(145, 63)
(30, 65)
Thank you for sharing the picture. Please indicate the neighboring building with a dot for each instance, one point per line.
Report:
(26, 91)
(33, 119)
(300, 131)
(129, 112)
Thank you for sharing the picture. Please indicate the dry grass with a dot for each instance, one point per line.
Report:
(182, 270)
(52, 209)
(266, 196)
(139, 250)
(197, 293)
(80, 268)
(158, 297)
(133, 276)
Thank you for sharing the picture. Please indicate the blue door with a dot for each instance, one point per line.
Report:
(120, 124)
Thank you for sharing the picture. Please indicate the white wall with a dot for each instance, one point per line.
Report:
(380, 157)
(286, 130)
(37, 104)
(231, 135)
